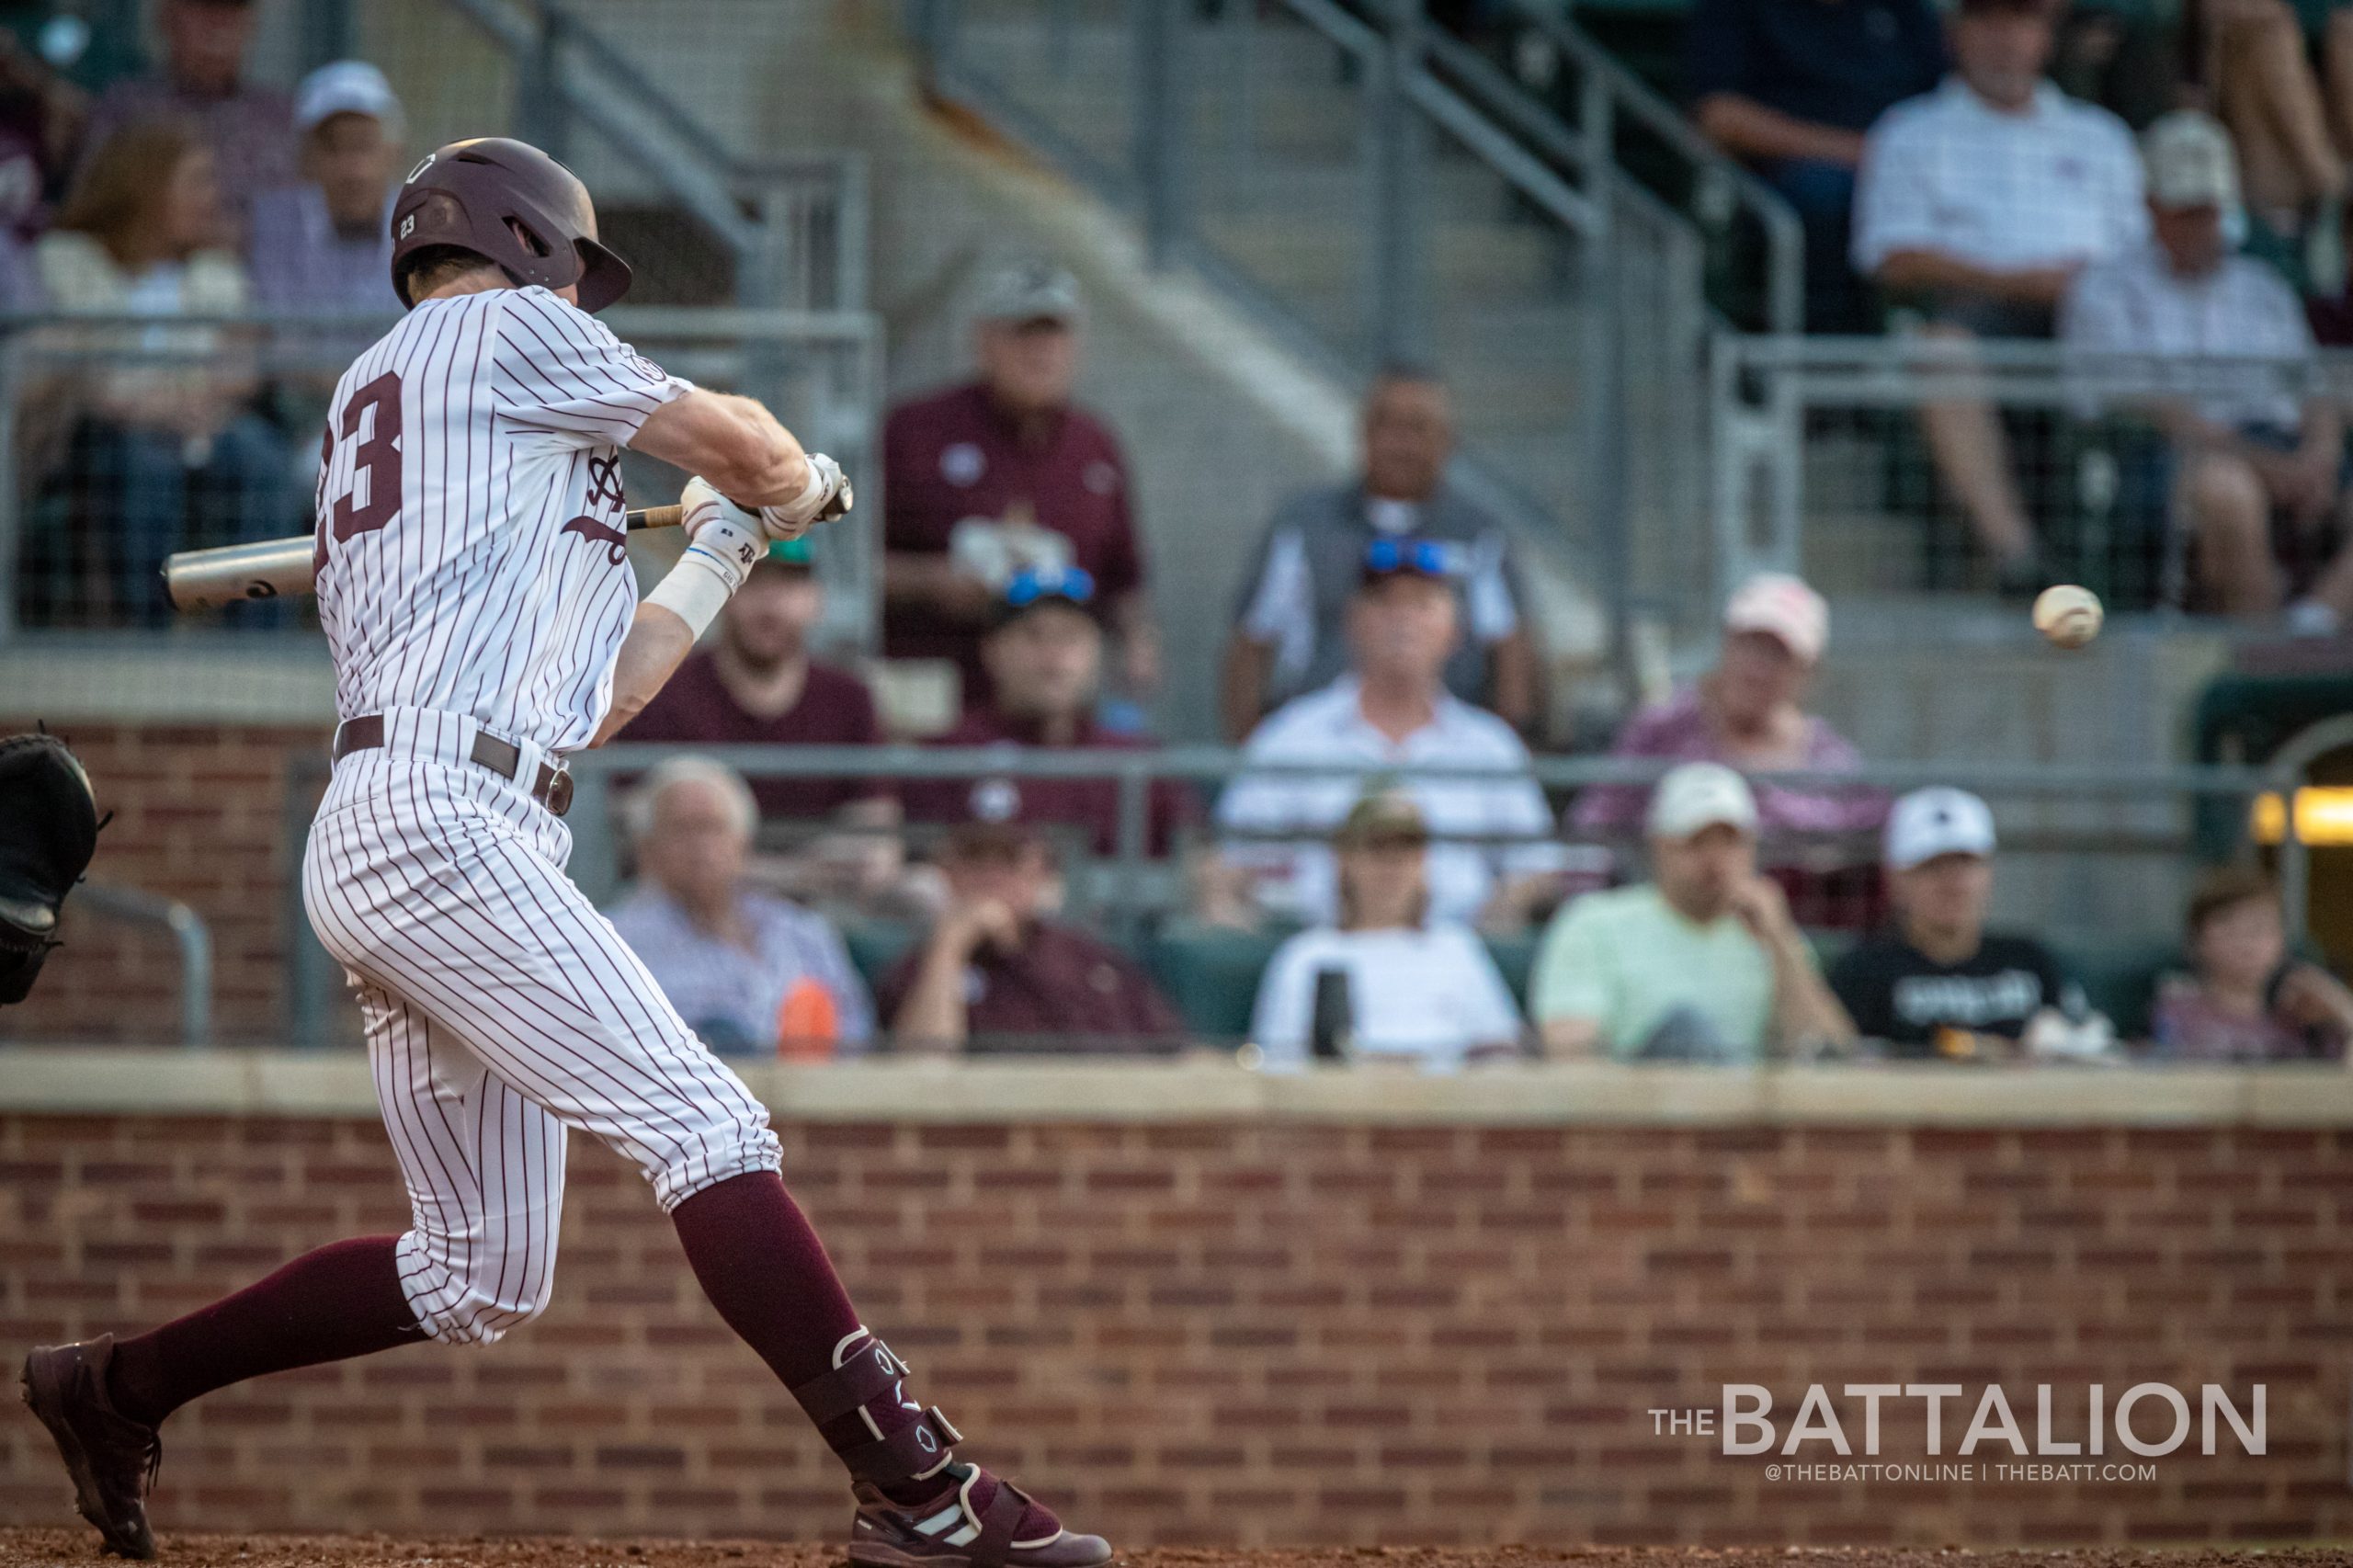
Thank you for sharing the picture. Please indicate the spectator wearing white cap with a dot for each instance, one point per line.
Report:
(1939, 985)
(2258, 475)
(1748, 713)
(1702, 964)
(324, 244)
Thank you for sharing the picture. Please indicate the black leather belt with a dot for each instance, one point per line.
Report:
(552, 789)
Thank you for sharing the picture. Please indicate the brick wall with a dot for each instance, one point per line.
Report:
(1264, 1331)
(199, 815)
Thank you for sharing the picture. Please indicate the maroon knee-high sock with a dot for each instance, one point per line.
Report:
(758, 1259)
(344, 1299)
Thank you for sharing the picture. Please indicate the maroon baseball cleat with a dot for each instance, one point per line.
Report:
(111, 1458)
(949, 1531)
(918, 1505)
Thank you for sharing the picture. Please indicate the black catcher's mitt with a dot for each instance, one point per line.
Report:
(49, 829)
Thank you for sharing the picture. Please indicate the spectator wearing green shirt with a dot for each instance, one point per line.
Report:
(1702, 964)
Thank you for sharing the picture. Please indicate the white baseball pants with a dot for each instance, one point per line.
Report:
(501, 1008)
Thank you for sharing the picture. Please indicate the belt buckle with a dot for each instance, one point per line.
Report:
(559, 796)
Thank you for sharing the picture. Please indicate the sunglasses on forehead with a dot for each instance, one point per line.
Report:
(1427, 557)
(1028, 586)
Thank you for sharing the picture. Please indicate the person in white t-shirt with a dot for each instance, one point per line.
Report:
(2257, 471)
(1976, 205)
(1418, 990)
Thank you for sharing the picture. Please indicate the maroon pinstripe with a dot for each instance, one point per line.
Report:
(501, 1008)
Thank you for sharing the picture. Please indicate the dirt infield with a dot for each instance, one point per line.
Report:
(45, 1548)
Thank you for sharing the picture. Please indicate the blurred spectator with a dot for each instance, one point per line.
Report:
(995, 972)
(248, 128)
(1939, 984)
(1289, 635)
(2248, 461)
(1391, 712)
(983, 480)
(1975, 206)
(1746, 713)
(756, 684)
(2252, 60)
(1703, 963)
(163, 456)
(750, 972)
(41, 119)
(1044, 659)
(1417, 988)
(1790, 86)
(324, 244)
(2245, 998)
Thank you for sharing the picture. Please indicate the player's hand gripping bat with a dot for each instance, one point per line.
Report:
(207, 579)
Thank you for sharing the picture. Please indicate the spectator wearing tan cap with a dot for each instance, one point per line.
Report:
(1701, 963)
(1418, 989)
(1747, 713)
(2258, 475)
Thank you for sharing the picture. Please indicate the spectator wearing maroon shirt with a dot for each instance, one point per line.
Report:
(756, 685)
(1044, 660)
(1006, 472)
(994, 973)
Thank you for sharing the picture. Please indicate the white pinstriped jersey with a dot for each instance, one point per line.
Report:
(470, 526)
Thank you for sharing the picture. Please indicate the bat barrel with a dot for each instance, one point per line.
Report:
(208, 579)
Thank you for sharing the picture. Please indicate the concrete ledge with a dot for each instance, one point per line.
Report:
(162, 1082)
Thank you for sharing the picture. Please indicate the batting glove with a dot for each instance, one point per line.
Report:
(731, 536)
(826, 497)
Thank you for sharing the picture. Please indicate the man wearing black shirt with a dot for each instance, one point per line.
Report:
(1938, 984)
(1790, 86)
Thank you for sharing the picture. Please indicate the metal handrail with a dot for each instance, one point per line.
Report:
(691, 164)
(187, 930)
(1628, 94)
(1764, 387)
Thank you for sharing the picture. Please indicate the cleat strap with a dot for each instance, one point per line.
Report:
(913, 1451)
(872, 1373)
(997, 1522)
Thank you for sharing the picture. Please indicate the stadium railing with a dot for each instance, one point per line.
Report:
(792, 229)
(123, 439)
(1820, 465)
(2104, 855)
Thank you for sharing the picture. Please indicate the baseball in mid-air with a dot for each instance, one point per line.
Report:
(2068, 615)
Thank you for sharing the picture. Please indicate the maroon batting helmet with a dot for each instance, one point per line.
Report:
(512, 204)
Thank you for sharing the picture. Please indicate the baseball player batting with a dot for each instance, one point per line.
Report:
(484, 621)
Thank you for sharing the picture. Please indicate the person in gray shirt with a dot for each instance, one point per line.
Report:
(1287, 633)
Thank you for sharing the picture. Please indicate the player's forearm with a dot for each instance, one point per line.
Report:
(656, 644)
(732, 442)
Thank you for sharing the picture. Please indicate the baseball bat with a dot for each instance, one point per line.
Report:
(272, 568)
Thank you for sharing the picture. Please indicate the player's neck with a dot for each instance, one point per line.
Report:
(765, 691)
(481, 280)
